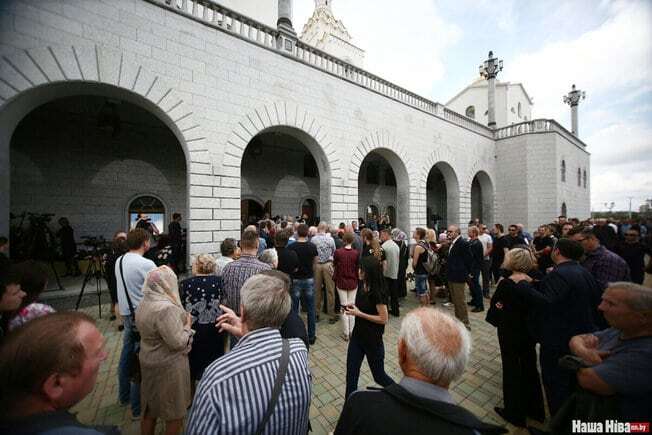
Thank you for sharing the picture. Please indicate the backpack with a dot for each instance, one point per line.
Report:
(431, 264)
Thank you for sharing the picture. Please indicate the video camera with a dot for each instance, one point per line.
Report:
(98, 246)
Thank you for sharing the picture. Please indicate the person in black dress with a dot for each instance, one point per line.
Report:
(201, 295)
(176, 241)
(510, 313)
(371, 314)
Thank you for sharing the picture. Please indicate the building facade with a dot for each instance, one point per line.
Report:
(108, 108)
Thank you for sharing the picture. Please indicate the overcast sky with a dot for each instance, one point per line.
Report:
(605, 47)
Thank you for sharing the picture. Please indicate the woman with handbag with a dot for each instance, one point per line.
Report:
(166, 338)
(510, 313)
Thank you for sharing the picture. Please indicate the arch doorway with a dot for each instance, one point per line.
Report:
(251, 211)
(281, 164)
(149, 205)
(442, 196)
(91, 156)
(309, 209)
(383, 179)
(482, 198)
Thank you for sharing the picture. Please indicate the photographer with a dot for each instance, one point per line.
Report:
(145, 222)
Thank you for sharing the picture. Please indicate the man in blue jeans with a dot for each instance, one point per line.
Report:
(130, 272)
(303, 282)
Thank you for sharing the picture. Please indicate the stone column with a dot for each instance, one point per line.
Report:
(491, 108)
(573, 99)
(287, 37)
(284, 13)
(489, 70)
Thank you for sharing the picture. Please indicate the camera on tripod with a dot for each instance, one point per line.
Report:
(98, 247)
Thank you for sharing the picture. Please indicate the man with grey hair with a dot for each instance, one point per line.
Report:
(264, 383)
(620, 357)
(324, 272)
(433, 350)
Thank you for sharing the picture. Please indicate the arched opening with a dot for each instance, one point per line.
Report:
(442, 196)
(96, 155)
(564, 210)
(579, 177)
(383, 179)
(251, 211)
(281, 164)
(584, 178)
(470, 112)
(482, 198)
(563, 171)
(519, 109)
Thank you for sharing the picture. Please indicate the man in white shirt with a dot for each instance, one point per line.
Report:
(130, 271)
(392, 252)
(487, 246)
(228, 249)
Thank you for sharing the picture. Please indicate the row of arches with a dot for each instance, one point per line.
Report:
(83, 150)
(282, 166)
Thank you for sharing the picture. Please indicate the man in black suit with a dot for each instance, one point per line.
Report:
(568, 305)
(458, 270)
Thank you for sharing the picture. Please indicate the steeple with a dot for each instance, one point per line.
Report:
(323, 4)
(324, 31)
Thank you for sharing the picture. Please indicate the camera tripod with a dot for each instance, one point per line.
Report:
(94, 271)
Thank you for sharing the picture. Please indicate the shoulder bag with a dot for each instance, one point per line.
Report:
(278, 385)
(134, 362)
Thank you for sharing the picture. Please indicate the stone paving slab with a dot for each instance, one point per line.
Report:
(479, 390)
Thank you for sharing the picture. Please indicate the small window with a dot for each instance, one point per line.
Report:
(563, 171)
(152, 207)
(564, 211)
(309, 166)
(520, 115)
(470, 112)
(579, 177)
(372, 174)
(584, 178)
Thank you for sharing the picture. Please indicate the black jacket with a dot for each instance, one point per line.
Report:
(568, 303)
(459, 261)
(394, 410)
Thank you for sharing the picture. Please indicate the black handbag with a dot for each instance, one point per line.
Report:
(134, 361)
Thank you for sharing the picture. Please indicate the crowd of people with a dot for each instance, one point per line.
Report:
(226, 348)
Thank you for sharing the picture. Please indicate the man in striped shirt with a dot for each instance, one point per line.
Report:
(235, 391)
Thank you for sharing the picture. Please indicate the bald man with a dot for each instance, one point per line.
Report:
(433, 350)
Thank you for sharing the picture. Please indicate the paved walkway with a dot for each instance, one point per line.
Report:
(479, 390)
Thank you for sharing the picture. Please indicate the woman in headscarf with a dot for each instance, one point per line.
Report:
(400, 238)
(166, 337)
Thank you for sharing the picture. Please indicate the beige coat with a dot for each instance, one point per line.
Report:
(164, 346)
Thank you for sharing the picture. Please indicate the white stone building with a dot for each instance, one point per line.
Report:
(108, 108)
(513, 104)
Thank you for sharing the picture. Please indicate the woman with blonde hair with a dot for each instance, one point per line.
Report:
(201, 295)
(166, 338)
(510, 313)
